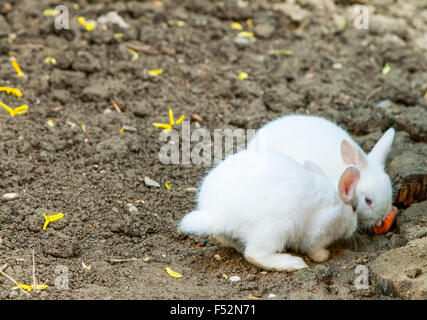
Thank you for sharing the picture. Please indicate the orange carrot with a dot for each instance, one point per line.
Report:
(387, 222)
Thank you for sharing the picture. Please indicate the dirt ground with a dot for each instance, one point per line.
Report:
(306, 57)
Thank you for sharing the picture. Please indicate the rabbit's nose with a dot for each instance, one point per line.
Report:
(354, 208)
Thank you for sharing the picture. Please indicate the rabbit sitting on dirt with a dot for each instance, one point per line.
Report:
(315, 139)
(261, 208)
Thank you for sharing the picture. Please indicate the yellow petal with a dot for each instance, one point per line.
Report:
(90, 26)
(82, 21)
(173, 273)
(162, 125)
(246, 34)
(155, 72)
(249, 23)
(283, 52)
(51, 12)
(4, 105)
(171, 121)
(386, 69)
(52, 218)
(85, 266)
(243, 76)
(236, 26)
(50, 59)
(42, 286)
(24, 287)
(27, 287)
(50, 123)
(83, 127)
(135, 55)
(19, 110)
(55, 217)
(180, 119)
(17, 68)
(13, 91)
(167, 185)
(254, 298)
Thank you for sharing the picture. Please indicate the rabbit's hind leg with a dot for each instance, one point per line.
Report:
(267, 260)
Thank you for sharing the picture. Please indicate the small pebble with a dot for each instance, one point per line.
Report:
(151, 183)
(217, 257)
(128, 128)
(191, 190)
(234, 279)
(383, 104)
(132, 209)
(10, 196)
(242, 42)
(337, 66)
(272, 296)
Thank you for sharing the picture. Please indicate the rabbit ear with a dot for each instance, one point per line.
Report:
(313, 167)
(352, 155)
(348, 182)
(382, 147)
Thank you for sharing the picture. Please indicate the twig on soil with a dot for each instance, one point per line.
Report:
(144, 48)
(111, 260)
(116, 107)
(11, 279)
(16, 258)
(369, 96)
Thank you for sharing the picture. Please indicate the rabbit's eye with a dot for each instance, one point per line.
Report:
(368, 201)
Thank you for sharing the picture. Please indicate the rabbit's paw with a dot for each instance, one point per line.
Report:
(318, 254)
(278, 262)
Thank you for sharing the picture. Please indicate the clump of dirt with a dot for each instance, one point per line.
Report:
(306, 57)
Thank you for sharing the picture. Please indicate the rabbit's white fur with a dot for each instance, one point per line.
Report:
(262, 212)
(318, 140)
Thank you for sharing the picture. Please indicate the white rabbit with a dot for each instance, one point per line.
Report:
(262, 212)
(318, 140)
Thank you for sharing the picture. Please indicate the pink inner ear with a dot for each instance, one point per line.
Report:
(348, 181)
(349, 188)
